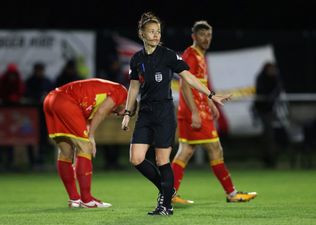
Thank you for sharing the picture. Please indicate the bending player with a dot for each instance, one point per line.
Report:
(73, 112)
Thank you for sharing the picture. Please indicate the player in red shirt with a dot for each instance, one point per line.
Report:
(196, 120)
(73, 113)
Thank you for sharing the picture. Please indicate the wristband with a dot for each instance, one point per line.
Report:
(211, 94)
(127, 113)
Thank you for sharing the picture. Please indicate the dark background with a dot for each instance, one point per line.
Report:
(290, 26)
(223, 14)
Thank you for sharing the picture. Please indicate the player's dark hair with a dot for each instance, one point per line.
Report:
(201, 25)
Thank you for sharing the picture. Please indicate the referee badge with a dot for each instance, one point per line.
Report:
(158, 76)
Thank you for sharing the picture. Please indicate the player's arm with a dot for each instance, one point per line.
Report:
(214, 109)
(130, 102)
(189, 99)
(104, 109)
(198, 85)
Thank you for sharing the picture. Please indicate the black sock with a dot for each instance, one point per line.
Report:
(151, 172)
(166, 183)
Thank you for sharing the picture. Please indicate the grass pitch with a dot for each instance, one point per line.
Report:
(284, 197)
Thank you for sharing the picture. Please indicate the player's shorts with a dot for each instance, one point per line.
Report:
(207, 133)
(64, 117)
(156, 124)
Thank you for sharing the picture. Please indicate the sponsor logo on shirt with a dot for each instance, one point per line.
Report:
(158, 76)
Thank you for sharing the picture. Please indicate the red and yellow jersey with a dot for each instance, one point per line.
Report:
(207, 133)
(198, 67)
(69, 107)
(90, 93)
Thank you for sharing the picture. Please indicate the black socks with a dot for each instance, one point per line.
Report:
(166, 183)
(162, 178)
(150, 171)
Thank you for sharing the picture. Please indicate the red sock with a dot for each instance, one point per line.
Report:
(222, 175)
(67, 175)
(84, 176)
(178, 171)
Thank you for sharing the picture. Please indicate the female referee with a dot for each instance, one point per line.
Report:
(151, 73)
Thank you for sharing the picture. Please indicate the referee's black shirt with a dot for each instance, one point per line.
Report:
(155, 72)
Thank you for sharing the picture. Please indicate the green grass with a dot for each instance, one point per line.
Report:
(285, 197)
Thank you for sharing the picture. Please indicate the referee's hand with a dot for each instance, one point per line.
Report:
(125, 123)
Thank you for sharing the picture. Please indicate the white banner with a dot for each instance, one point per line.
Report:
(51, 47)
(235, 72)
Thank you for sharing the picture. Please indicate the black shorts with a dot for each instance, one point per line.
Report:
(156, 124)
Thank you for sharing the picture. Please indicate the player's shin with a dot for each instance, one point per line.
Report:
(84, 175)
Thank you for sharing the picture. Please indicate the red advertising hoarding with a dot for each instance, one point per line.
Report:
(19, 126)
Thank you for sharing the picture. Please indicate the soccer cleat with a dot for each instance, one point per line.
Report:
(160, 206)
(161, 211)
(74, 203)
(95, 203)
(177, 199)
(160, 197)
(241, 197)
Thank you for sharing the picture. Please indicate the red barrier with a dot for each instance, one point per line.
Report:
(19, 126)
